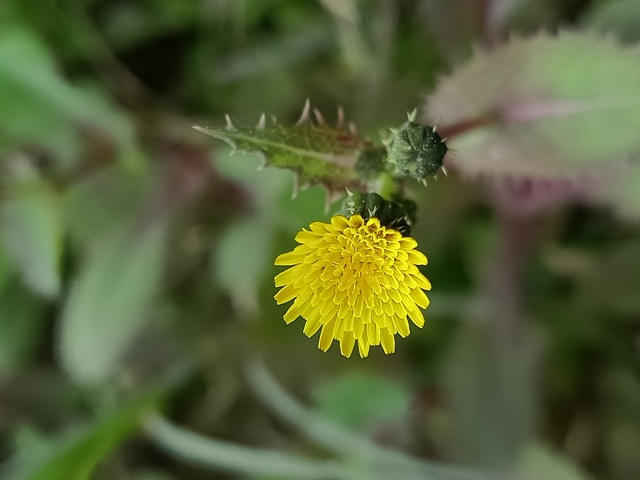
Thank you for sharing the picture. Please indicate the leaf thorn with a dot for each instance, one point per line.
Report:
(318, 116)
(262, 122)
(340, 117)
(304, 116)
(229, 125)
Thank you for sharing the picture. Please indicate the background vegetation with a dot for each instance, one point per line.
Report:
(138, 334)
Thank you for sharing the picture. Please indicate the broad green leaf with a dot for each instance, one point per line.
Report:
(272, 188)
(267, 185)
(360, 400)
(97, 202)
(75, 455)
(22, 318)
(536, 463)
(242, 258)
(622, 189)
(38, 106)
(108, 301)
(546, 107)
(621, 447)
(315, 152)
(32, 230)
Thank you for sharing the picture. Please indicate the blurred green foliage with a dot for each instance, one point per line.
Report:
(136, 254)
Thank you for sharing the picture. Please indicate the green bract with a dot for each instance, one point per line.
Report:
(390, 214)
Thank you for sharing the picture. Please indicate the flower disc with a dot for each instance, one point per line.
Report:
(355, 280)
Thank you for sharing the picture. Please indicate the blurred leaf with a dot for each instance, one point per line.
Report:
(7, 268)
(492, 391)
(268, 185)
(454, 27)
(620, 18)
(623, 190)
(21, 323)
(622, 444)
(315, 153)
(97, 202)
(31, 223)
(360, 399)
(134, 23)
(108, 300)
(536, 463)
(76, 455)
(242, 259)
(242, 254)
(547, 107)
(288, 50)
(38, 106)
(151, 475)
(619, 390)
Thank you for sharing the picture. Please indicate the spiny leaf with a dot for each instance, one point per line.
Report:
(548, 108)
(315, 152)
(555, 106)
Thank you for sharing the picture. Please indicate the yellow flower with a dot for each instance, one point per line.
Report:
(355, 279)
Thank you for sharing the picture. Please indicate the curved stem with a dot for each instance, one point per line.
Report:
(341, 441)
(361, 459)
(211, 453)
(215, 454)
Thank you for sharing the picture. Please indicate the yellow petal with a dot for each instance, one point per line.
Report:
(422, 281)
(417, 258)
(312, 326)
(288, 258)
(346, 345)
(420, 298)
(402, 325)
(416, 316)
(286, 294)
(305, 236)
(293, 313)
(363, 348)
(326, 337)
(388, 342)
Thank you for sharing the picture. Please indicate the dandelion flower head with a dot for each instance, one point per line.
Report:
(355, 280)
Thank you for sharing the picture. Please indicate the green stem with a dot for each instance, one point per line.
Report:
(387, 185)
(210, 453)
(344, 442)
(360, 458)
(517, 234)
(214, 454)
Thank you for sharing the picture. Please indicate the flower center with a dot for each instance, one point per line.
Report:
(366, 256)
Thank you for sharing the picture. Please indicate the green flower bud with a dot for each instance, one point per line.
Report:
(391, 214)
(415, 150)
